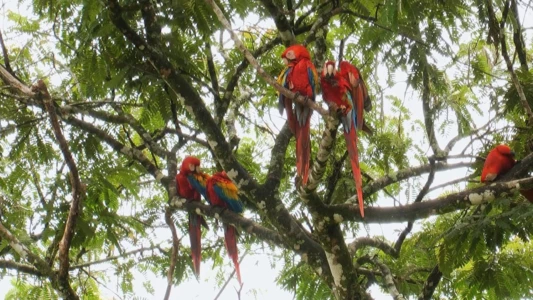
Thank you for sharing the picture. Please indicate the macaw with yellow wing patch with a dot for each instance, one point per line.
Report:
(191, 184)
(222, 192)
(300, 77)
(336, 92)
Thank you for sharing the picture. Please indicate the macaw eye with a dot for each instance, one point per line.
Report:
(290, 55)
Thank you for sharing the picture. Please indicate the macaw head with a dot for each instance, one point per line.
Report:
(295, 53)
(346, 67)
(190, 164)
(504, 150)
(329, 69)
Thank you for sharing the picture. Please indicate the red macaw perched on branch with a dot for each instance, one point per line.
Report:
(336, 92)
(222, 192)
(300, 77)
(191, 183)
(498, 162)
(359, 92)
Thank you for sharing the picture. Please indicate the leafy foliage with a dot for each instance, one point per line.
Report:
(139, 85)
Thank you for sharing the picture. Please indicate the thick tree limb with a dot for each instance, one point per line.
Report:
(284, 27)
(22, 268)
(78, 190)
(375, 243)
(388, 280)
(438, 206)
(387, 180)
(277, 158)
(431, 284)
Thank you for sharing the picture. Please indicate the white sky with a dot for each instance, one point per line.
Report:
(257, 269)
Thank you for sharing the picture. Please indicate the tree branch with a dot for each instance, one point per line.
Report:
(23, 268)
(438, 206)
(431, 284)
(387, 180)
(423, 192)
(375, 243)
(78, 190)
(110, 258)
(284, 27)
(388, 280)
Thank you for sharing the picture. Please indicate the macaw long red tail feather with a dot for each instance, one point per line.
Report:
(303, 150)
(351, 144)
(195, 236)
(528, 194)
(291, 118)
(230, 239)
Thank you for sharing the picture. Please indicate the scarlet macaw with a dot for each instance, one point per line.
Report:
(222, 192)
(336, 92)
(358, 90)
(191, 183)
(498, 162)
(300, 77)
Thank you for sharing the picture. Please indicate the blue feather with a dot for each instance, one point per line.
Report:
(234, 205)
(198, 187)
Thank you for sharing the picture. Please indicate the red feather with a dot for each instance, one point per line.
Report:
(499, 161)
(351, 144)
(222, 192)
(358, 89)
(300, 77)
(230, 240)
(336, 91)
(185, 190)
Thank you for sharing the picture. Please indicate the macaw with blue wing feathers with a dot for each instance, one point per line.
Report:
(222, 192)
(300, 77)
(359, 92)
(336, 91)
(191, 184)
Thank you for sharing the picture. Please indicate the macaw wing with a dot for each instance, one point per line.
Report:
(227, 192)
(283, 81)
(313, 78)
(199, 181)
(349, 119)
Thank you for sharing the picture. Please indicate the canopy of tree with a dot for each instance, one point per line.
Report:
(101, 100)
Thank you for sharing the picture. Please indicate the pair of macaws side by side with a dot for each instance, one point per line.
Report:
(498, 162)
(218, 190)
(344, 91)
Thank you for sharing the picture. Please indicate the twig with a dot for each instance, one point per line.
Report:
(96, 262)
(175, 249)
(423, 192)
(230, 277)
